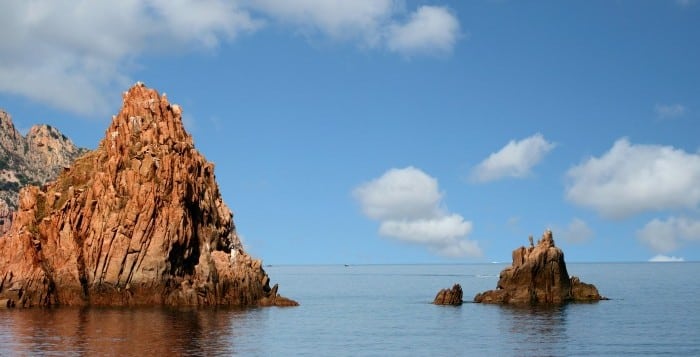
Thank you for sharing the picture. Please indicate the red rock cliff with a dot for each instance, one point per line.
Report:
(138, 221)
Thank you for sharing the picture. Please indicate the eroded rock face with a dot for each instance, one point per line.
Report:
(449, 296)
(138, 221)
(538, 276)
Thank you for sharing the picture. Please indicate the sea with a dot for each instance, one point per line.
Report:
(386, 310)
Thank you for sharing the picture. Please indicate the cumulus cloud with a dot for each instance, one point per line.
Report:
(668, 111)
(668, 235)
(407, 193)
(576, 232)
(516, 159)
(630, 179)
(429, 30)
(71, 54)
(408, 204)
(665, 259)
(77, 55)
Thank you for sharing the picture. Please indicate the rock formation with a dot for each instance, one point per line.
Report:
(538, 276)
(449, 296)
(138, 221)
(34, 159)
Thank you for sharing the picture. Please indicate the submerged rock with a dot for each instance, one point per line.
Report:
(449, 296)
(138, 221)
(538, 275)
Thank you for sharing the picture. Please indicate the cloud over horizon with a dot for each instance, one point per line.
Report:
(75, 56)
(665, 259)
(408, 204)
(665, 236)
(634, 178)
(516, 159)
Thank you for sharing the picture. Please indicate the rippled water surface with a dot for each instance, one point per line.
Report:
(385, 310)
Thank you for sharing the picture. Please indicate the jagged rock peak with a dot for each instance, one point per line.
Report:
(146, 118)
(10, 139)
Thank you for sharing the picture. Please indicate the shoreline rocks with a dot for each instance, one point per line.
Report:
(451, 296)
(138, 221)
(538, 275)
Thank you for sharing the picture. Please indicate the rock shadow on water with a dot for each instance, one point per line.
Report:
(535, 330)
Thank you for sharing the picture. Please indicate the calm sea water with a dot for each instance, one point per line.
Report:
(386, 310)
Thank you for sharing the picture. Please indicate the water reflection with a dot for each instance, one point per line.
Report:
(112, 331)
(535, 330)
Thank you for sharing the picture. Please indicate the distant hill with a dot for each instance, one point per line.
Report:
(34, 159)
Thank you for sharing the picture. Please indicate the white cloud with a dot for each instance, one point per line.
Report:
(77, 55)
(431, 30)
(667, 236)
(408, 204)
(630, 179)
(71, 54)
(665, 259)
(375, 23)
(339, 19)
(407, 193)
(668, 111)
(576, 232)
(428, 230)
(516, 159)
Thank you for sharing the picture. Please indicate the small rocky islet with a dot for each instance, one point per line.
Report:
(138, 221)
(451, 296)
(537, 276)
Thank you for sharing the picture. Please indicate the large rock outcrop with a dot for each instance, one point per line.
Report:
(138, 221)
(32, 159)
(449, 296)
(538, 276)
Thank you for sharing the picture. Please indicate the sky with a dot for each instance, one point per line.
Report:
(390, 131)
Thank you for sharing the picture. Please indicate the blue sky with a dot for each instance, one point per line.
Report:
(388, 131)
